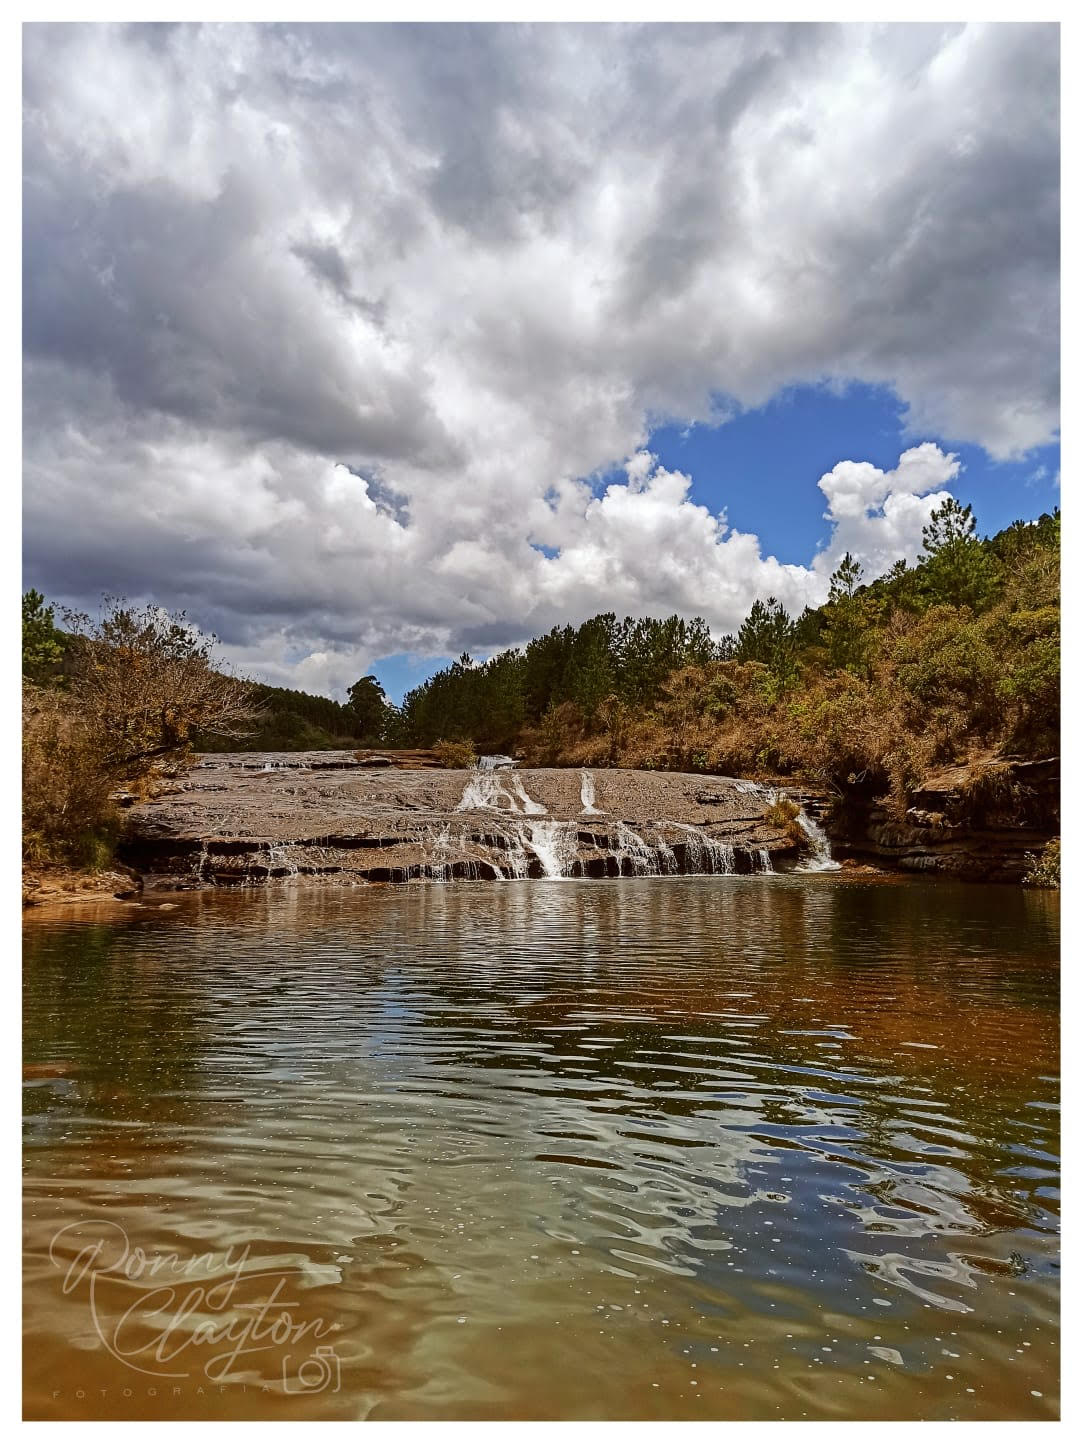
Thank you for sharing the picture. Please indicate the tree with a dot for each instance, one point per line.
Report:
(145, 680)
(958, 569)
(368, 703)
(43, 645)
(845, 580)
(767, 635)
(846, 630)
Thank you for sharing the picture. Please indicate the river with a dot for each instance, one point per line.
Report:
(733, 1147)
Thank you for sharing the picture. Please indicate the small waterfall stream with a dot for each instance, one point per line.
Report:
(497, 789)
(820, 859)
(586, 795)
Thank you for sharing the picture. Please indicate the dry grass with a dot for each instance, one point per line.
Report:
(783, 814)
(1044, 871)
(67, 814)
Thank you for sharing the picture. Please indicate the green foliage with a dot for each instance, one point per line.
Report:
(959, 570)
(845, 580)
(1044, 871)
(596, 667)
(287, 720)
(369, 705)
(846, 618)
(43, 644)
(483, 703)
(769, 636)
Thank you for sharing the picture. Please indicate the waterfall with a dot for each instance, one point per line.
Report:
(517, 861)
(532, 841)
(642, 858)
(531, 808)
(279, 862)
(497, 790)
(495, 760)
(820, 859)
(440, 848)
(554, 845)
(586, 795)
(703, 852)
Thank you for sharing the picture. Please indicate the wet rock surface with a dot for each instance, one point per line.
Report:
(252, 818)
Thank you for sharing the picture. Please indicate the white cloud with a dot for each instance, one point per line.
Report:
(877, 515)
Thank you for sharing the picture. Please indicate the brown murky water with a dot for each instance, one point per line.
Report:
(725, 1147)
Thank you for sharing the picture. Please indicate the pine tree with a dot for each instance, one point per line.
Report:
(768, 635)
(847, 634)
(958, 569)
(43, 645)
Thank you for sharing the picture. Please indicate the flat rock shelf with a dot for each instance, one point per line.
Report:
(250, 818)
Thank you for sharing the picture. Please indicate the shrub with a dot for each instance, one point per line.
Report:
(1044, 871)
(456, 754)
(783, 814)
(67, 814)
(146, 681)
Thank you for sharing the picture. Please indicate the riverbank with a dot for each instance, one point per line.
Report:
(44, 886)
(983, 821)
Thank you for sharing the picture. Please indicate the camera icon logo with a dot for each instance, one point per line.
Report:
(320, 1372)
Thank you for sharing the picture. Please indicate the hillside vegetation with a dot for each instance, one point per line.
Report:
(114, 706)
(957, 655)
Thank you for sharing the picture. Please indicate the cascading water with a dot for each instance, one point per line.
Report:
(528, 844)
(529, 806)
(493, 790)
(820, 859)
(439, 851)
(554, 845)
(587, 796)
(703, 853)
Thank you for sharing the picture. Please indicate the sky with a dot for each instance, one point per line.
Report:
(368, 344)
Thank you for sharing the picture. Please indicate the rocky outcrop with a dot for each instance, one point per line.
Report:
(247, 819)
(978, 821)
(58, 884)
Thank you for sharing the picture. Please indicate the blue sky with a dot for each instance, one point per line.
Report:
(762, 467)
